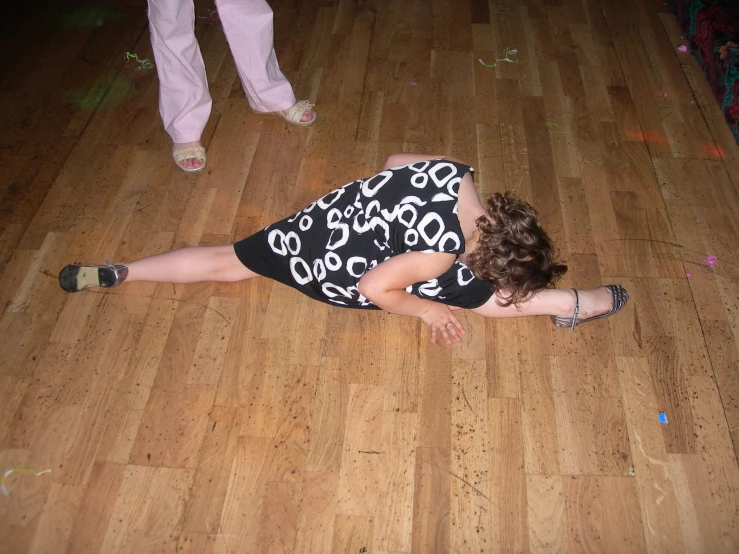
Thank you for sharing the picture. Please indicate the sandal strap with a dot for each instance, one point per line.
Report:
(295, 112)
(119, 270)
(619, 298)
(192, 153)
(577, 310)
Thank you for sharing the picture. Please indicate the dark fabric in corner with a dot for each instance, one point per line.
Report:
(712, 30)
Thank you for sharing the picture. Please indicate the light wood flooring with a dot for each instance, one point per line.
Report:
(240, 418)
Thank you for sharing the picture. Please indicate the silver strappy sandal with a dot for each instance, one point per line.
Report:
(618, 295)
(75, 277)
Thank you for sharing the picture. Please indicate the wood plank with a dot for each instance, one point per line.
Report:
(240, 521)
(547, 520)
(538, 408)
(352, 534)
(393, 516)
(603, 514)
(317, 512)
(503, 369)
(431, 501)
(360, 470)
(657, 488)
(150, 499)
(592, 435)
(508, 480)
(97, 506)
(212, 476)
(279, 519)
(327, 428)
(471, 512)
(56, 523)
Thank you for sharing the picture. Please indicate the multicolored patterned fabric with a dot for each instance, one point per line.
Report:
(712, 28)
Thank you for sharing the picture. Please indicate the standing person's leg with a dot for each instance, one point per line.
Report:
(249, 28)
(184, 100)
(186, 265)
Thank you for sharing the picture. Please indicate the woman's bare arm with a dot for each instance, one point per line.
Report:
(404, 158)
(385, 287)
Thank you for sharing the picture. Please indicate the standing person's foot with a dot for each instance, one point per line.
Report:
(300, 114)
(189, 156)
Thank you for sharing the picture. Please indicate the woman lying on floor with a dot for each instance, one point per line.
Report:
(414, 239)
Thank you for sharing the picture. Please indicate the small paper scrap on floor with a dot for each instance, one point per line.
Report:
(683, 48)
(554, 131)
(144, 63)
(688, 274)
(507, 52)
(710, 260)
(663, 418)
(629, 472)
(18, 470)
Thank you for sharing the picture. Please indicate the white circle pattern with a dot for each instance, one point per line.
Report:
(292, 241)
(277, 247)
(305, 222)
(427, 220)
(411, 237)
(319, 269)
(449, 236)
(419, 180)
(351, 262)
(299, 263)
(333, 262)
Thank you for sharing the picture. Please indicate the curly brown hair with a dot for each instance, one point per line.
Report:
(513, 251)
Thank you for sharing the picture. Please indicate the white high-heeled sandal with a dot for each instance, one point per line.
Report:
(294, 114)
(192, 153)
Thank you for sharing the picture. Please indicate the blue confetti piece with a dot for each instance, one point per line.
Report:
(663, 418)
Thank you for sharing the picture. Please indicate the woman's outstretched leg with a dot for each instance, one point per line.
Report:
(556, 302)
(190, 265)
(186, 265)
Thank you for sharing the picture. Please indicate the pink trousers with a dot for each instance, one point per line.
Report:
(184, 100)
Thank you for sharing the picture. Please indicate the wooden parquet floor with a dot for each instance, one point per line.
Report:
(240, 418)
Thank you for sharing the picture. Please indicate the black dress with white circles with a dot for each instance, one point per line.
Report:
(326, 248)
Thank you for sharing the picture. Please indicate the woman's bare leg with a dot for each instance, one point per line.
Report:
(190, 265)
(557, 302)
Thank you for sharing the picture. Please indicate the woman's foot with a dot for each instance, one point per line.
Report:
(76, 277)
(189, 156)
(308, 116)
(593, 302)
(300, 114)
(584, 305)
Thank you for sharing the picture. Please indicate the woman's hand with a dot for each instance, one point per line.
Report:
(441, 319)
